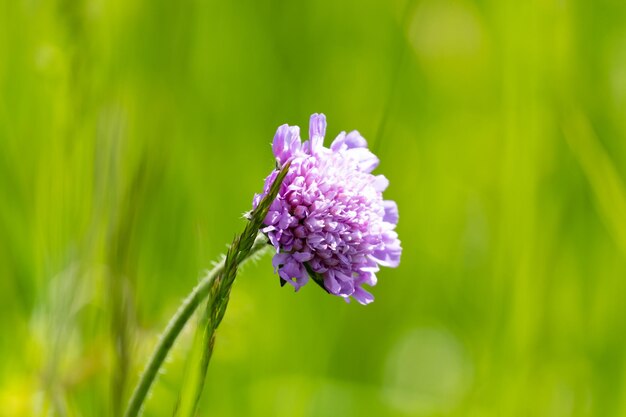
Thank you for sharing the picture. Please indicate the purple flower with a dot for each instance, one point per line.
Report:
(329, 220)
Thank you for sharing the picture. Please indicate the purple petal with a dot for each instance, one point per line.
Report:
(271, 217)
(280, 259)
(317, 130)
(286, 143)
(389, 254)
(355, 140)
(317, 125)
(356, 147)
(347, 289)
(269, 181)
(272, 236)
(368, 278)
(294, 273)
(257, 199)
(302, 256)
(268, 229)
(380, 183)
(391, 212)
(331, 283)
(338, 143)
(345, 282)
(362, 296)
(366, 159)
(344, 142)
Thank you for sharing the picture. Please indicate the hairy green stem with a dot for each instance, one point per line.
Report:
(174, 327)
(219, 292)
(217, 286)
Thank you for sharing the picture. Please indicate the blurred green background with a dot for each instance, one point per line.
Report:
(133, 135)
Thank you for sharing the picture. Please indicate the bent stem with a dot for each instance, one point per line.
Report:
(219, 292)
(174, 327)
(216, 285)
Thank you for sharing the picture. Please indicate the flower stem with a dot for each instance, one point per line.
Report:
(219, 292)
(216, 285)
(174, 327)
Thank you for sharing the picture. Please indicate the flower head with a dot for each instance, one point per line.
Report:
(329, 220)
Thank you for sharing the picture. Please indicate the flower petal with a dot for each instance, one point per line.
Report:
(280, 259)
(355, 140)
(352, 140)
(286, 143)
(317, 125)
(389, 253)
(380, 183)
(302, 256)
(367, 160)
(391, 212)
(317, 130)
(338, 143)
(331, 283)
(293, 272)
(362, 296)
